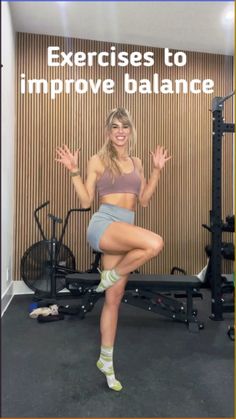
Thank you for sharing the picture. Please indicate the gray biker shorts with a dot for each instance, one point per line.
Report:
(101, 219)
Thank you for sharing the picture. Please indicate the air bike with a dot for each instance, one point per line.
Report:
(46, 263)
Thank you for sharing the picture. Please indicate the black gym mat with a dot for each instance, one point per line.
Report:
(48, 370)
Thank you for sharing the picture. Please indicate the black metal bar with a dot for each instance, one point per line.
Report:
(37, 219)
(65, 225)
(53, 243)
(160, 304)
(218, 102)
(88, 302)
(149, 301)
(228, 127)
(216, 224)
(216, 216)
(67, 219)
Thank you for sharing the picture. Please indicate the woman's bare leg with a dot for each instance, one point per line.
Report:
(139, 244)
(113, 297)
(108, 323)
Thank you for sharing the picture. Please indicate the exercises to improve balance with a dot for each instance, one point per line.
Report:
(120, 183)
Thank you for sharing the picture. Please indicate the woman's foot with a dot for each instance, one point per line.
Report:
(105, 365)
(108, 278)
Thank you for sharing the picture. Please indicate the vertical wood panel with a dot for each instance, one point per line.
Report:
(182, 123)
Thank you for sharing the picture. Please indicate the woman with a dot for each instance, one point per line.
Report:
(120, 182)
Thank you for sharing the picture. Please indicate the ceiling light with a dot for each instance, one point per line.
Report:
(228, 16)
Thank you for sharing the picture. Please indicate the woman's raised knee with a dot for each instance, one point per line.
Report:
(156, 245)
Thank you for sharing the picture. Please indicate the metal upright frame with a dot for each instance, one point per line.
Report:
(216, 223)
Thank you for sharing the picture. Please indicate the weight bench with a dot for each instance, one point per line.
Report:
(149, 292)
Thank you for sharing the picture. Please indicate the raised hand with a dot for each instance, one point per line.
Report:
(65, 157)
(160, 157)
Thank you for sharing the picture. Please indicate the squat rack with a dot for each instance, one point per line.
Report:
(216, 224)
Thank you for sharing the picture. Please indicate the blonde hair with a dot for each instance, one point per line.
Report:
(108, 153)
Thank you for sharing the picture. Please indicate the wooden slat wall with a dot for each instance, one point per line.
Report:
(182, 123)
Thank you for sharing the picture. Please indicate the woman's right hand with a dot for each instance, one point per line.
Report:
(65, 157)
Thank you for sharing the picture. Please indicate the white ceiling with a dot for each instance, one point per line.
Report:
(191, 26)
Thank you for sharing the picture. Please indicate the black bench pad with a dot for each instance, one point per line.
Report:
(158, 282)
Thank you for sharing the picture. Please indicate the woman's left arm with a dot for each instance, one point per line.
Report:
(160, 157)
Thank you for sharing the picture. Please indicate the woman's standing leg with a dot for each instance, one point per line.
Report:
(108, 322)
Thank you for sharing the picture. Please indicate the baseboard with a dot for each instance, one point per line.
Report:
(20, 288)
(7, 297)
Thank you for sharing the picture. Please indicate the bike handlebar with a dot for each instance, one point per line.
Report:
(37, 220)
(67, 219)
(78, 209)
(207, 227)
(41, 206)
(56, 219)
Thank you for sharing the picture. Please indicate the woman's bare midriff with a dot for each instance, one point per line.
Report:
(124, 200)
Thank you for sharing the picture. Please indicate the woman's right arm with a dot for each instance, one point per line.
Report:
(85, 191)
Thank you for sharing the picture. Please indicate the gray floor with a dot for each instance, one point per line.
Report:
(48, 370)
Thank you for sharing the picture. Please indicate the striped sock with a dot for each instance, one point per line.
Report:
(105, 365)
(108, 278)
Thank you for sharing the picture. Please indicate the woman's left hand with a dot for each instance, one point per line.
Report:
(160, 157)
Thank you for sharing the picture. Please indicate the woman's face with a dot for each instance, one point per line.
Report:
(119, 133)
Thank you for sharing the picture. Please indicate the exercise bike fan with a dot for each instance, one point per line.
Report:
(36, 266)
